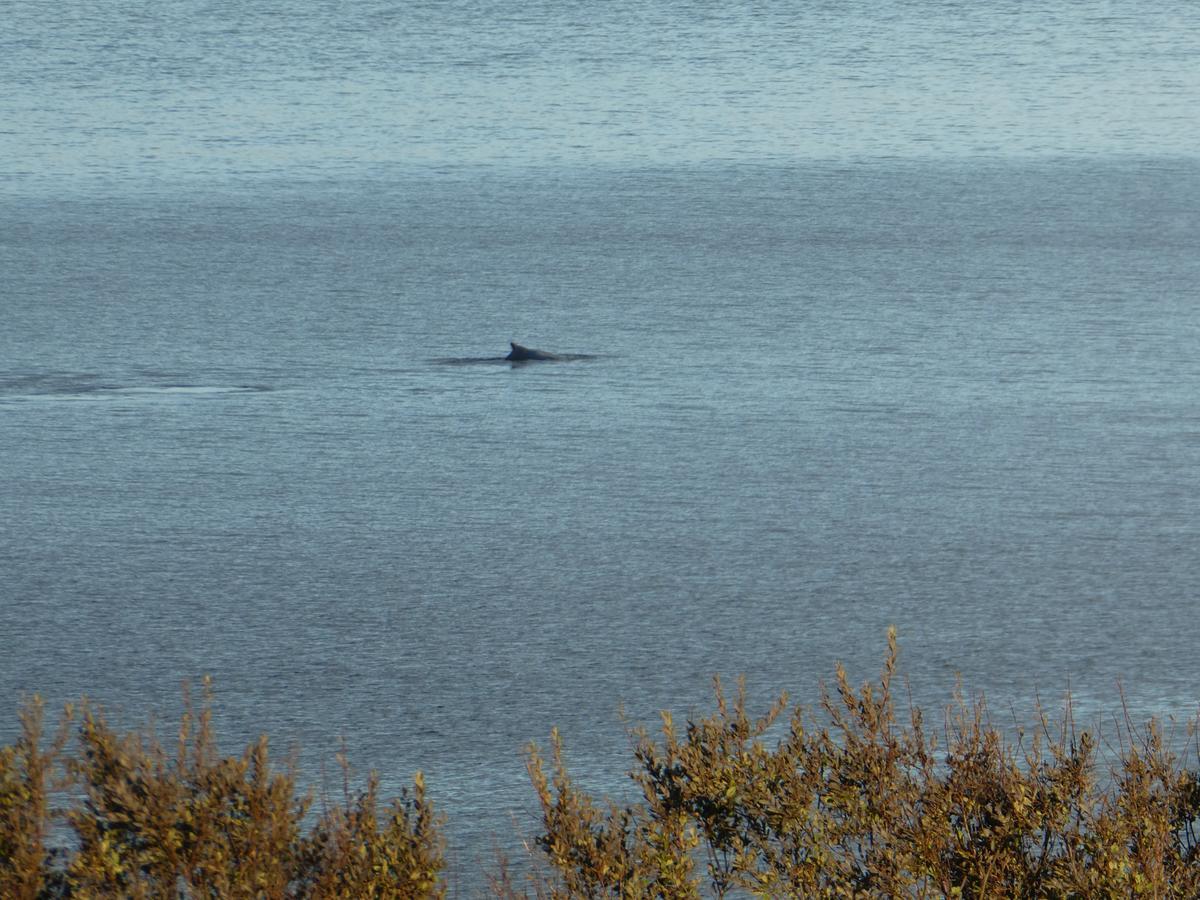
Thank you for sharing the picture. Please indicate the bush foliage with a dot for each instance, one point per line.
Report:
(148, 823)
(852, 800)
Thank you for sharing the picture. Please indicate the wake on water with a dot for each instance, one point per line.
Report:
(81, 387)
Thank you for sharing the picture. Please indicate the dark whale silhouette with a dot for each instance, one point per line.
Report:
(528, 354)
(519, 355)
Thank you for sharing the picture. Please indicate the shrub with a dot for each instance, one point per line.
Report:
(26, 772)
(149, 823)
(350, 854)
(197, 823)
(861, 804)
(853, 800)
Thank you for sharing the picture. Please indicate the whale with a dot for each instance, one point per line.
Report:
(528, 354)
(517, 357)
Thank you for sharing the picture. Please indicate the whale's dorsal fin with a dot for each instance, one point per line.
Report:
(521, 353)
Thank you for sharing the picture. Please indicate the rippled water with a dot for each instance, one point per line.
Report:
(882, 313)
(125, 94)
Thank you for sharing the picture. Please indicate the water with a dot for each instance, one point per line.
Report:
(124, 94)
(885, 330)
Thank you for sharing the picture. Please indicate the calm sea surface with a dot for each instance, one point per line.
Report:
(894, 317)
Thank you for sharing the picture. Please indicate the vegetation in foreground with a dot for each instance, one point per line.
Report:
(849, 802)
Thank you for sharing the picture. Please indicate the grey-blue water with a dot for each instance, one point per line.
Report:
(894, 315)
